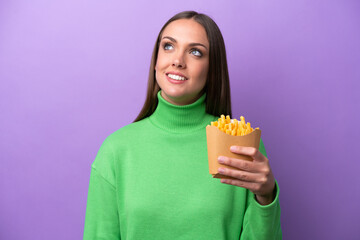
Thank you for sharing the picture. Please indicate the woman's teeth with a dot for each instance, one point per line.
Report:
(176, 77)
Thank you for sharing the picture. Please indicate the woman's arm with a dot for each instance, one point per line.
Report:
(262, 222)
(262, 215)
(102, 217)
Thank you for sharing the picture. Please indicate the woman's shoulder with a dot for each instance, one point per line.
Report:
(129, 131)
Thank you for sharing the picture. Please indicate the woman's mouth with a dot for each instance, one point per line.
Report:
(173, 78)
(176, 77)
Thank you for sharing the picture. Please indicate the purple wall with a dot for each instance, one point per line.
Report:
(72, 72)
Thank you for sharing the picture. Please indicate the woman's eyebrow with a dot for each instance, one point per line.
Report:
(191, 44)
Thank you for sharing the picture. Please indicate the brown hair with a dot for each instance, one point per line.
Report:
(217, 86)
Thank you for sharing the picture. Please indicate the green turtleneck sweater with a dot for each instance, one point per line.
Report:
(150, 180)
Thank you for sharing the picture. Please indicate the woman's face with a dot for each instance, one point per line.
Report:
(182, 61)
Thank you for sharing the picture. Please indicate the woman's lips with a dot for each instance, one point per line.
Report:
(175, 81)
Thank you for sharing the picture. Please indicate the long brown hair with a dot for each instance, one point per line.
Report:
(217, 85)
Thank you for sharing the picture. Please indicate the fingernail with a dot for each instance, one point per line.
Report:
(221, 159)
(221, 170)
(233, 148)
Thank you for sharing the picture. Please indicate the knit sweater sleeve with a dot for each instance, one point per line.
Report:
(262, 222)
(102, 218)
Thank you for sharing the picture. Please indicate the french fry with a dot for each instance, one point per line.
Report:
(233, 132)
(242, 120)
(233, 127)
(228, 120)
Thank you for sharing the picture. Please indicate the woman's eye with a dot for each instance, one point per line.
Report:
(167, 46)
(196, 52)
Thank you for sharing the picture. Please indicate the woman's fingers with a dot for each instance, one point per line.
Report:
(258, 183)
(241, 164)
(241, 175)
(249, 151)
(254, 175)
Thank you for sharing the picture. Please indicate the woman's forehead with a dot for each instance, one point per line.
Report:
(186, 30)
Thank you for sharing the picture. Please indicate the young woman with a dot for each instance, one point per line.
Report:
(150, 179)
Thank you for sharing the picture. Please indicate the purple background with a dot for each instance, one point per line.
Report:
(72, 72)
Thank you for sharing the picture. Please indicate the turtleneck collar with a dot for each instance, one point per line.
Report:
(181, 119)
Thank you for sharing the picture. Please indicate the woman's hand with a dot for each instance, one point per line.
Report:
(254, 175)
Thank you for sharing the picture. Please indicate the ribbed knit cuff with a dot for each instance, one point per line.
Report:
(270, 207)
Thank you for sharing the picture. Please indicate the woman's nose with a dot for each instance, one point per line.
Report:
(178, 61)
